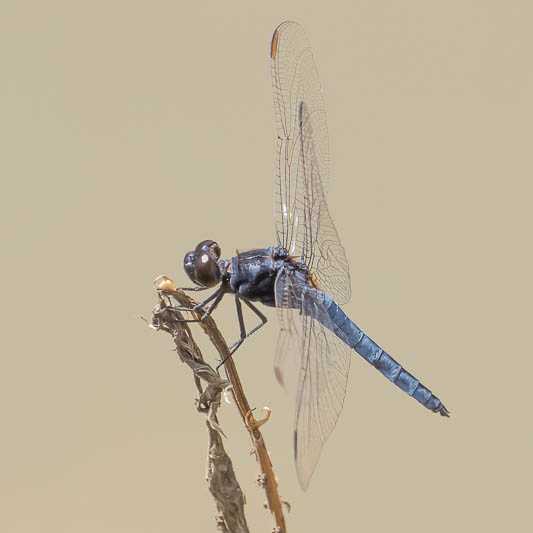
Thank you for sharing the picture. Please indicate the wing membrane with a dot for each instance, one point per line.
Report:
(315, 369)
(287, 349)
(303, 222)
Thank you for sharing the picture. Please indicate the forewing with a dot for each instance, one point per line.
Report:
(322, 362)
(303, 223)
(322, 250)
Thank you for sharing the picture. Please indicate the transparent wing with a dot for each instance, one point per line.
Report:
(287, 349)
(317, 367)
(303, 222)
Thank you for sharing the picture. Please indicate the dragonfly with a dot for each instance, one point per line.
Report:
(305, 276)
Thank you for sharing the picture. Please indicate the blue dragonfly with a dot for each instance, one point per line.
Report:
(305, 275)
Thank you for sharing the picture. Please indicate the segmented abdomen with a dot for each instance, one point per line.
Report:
(354, 337)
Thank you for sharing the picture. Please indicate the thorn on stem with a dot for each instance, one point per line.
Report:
(261, 480)
(287, 505)
(252, 423)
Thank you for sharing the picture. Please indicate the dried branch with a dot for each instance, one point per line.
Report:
(267, 478)
(220, 476)
(224, 487)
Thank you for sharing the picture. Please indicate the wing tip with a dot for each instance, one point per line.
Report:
(279, 376)
(274, 43)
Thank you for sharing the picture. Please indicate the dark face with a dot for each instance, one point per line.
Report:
(201, 264)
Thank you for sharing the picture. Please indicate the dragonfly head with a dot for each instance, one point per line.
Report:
(201, 264)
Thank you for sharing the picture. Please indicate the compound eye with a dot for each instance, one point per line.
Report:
(216, 249)
(209, 247)
(189, 264)
(201, 265)
(188, 260)
(207, 272)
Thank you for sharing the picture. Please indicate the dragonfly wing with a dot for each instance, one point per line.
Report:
(303, 223)
(288, 346)
(322, 363)
(287, 349)
(322, 250)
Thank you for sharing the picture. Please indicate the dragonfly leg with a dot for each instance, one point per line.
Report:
(193, 288)
(219, 294)
(261, 316)
(216, 296)
(242, 327)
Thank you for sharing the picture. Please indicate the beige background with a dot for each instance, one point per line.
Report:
(130, 131)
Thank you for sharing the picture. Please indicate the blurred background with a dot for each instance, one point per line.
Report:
(130, 131)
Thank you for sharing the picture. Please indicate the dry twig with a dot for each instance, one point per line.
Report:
(221, 478)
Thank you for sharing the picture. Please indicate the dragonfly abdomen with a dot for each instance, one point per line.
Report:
(352, 335)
